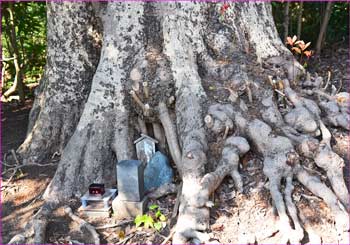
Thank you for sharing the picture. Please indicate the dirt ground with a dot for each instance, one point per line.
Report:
(235, 218)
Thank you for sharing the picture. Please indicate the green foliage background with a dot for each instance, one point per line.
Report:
(30, 22)
(338, 26)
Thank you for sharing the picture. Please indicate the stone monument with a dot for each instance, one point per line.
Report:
(131, 199)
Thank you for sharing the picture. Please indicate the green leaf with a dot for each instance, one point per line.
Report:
(153, 207)
(148, 222)
(139, 220)
(158, 226)
(158, 213)
(162, 217)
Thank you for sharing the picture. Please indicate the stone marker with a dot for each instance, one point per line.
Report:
(126, 209)
(131, 200)
(130, 180)
(157, 172)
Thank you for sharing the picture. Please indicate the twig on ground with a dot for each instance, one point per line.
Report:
(167, 239)
(114, 225)
(29, 164)
(177, 203)
(126, 239)
(327, 83)
(308, 197)
(14, 156)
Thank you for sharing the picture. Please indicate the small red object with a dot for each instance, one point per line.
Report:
(224, 7)
(97, 189)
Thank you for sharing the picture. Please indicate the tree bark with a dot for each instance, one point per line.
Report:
(72, 56)
(300, 19)
(323, 28)
(103, 133)
(286, 21)
(155, 54)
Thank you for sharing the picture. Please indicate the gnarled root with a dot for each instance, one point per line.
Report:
(219, 118)
(333, 164)
(279, 162)
(321, 152)
(234, 147)
(198, 205)
(170, 134)
(335, 106)
(35, 230)
(83, 224)
(305, 116)
(319, 189)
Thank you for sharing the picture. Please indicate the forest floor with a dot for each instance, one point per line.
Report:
(233, 218)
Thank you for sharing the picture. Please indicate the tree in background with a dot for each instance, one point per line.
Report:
(306, 18)
(23, 46)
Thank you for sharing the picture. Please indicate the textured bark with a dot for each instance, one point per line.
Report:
(323, 29)
(102, 133)
(246, 20)
(300, 19)
(155, 54)
(72, 56)
(286, 21)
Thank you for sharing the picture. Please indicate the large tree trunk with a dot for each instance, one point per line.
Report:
(179, 50)
(72, 55)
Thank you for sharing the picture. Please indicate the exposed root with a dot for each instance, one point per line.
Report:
(304, 117)
(159, 135)
(234, 147)
(292, 210)
(83, 224)
(325, 158)
(219, 118)
(35, 230)
(142, 126)
(292, 68)
(319, 189)
(337, 111)
(333, 164)
(171, 136)
(279, 161)
(334, 105)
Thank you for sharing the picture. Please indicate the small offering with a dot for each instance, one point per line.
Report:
(97, 189)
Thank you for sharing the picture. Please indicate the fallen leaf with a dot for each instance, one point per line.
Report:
(121, 235)
(217, 227)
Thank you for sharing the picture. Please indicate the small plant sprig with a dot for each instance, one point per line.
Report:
(155, 219)
(299, 48)
(225, 8)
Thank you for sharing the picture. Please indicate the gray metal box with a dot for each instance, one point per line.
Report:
(130, 180)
